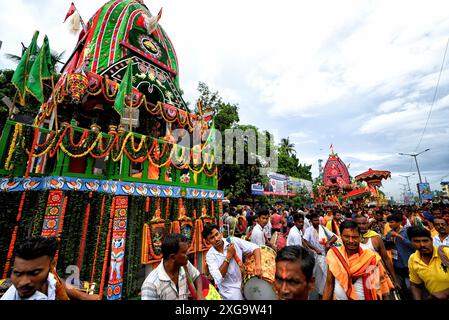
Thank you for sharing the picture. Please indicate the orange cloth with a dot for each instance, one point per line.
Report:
(386, 229)
(366, 265)
(326, 218)
(153, 172)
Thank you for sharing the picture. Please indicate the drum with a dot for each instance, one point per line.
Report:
(278, 241)
(255, 288)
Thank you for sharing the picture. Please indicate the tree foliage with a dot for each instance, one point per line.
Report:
(236, 179)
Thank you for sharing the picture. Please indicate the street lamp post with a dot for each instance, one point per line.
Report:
(404, 191)
(414, 155)
(408, 182)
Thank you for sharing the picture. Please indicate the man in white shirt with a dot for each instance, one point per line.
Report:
(295, 236)
(31, 276)
(442, 238)
(319, 239)
(258, 235)
(267, 230)
(224, 259)
(169, 280)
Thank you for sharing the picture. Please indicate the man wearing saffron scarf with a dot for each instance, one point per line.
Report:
(354, 273)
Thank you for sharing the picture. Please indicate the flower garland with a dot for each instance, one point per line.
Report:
(159, 153)
(97, 243)
(17, 133)
(106, 253)
(14, 236)
(84, 235)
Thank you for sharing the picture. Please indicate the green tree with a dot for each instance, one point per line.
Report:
(236, 179)
(289, 165)
(226, 115)
(287, 146)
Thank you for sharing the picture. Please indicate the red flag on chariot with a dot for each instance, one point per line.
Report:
(71, 11)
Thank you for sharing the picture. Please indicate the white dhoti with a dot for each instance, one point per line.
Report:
(320, 273)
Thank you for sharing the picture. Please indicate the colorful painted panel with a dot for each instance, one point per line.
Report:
(115, 282)
(53, 213)
(119, 188)
(148, 77)
(192, 193)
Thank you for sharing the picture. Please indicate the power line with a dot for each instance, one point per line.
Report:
(434, 97)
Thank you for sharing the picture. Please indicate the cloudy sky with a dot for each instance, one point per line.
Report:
(361, 75)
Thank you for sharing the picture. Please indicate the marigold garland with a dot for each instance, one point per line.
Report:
(14, 236)
(17, 132)
(84, 235)
(98, 240)
(159, 153)
(106, 253)
(30, 157)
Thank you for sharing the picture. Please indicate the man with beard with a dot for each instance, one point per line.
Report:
(224, 260)
(354, 273)
(294, 273)
(169, 281)
(442, 238)
(428, 265)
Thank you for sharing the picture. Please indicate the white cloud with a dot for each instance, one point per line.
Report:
(391, 105)
(367, 156)
(412, 117)
(298, 135)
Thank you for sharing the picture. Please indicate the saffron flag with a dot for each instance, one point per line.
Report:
(71, 11)
(331, 146)
(125, 90)
(20, 76)
(41, 70)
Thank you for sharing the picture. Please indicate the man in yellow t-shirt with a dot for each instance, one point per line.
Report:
(428, 265)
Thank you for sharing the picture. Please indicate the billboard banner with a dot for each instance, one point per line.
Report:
(308, 185)
(294, 185)
(424, 191)
(277, 184)
(282, 185)
(257, 189)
